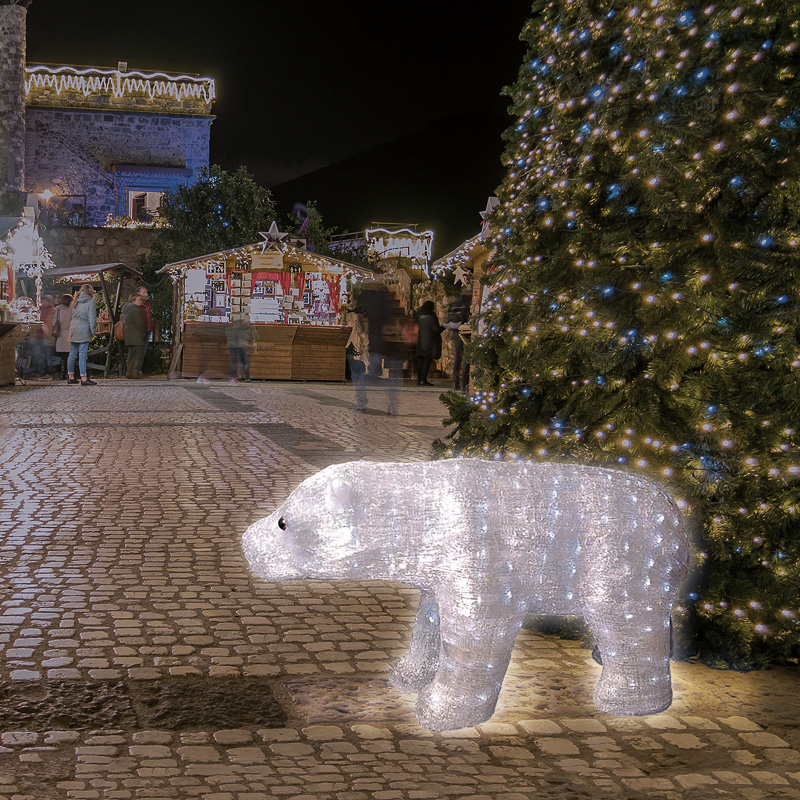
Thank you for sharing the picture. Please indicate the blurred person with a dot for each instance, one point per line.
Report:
(457, 316)
(134, 325)
(241, 339)
(358, 376)
(61, 331)
(149, 323)
(45, 343)
(82, 327)
(429, 341)
(376, 303)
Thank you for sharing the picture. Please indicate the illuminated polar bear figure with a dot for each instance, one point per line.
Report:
(487, 543)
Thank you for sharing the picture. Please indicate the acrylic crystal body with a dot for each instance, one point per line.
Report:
(488, 543)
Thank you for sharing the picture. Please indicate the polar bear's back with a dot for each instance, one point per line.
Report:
(514, 495)
(551, 522)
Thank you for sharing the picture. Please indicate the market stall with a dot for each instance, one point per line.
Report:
(291, 296)
(23, 258)
(110, 279)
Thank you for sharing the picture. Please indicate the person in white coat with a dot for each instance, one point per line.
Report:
(81, 331)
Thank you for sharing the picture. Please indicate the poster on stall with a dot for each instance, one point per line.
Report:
(207, 294)
(322, 289)
(267, 298)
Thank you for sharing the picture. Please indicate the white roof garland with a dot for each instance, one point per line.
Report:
(456, 259)
(177, 268)
(95, 80)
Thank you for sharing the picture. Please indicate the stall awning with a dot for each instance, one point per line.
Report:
(89, 270)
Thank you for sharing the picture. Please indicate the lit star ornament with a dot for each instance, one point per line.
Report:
(460, 275)
(491, 205)
(273, 236)
(488, 543)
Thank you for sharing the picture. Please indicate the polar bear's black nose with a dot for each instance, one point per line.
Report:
(282, 523)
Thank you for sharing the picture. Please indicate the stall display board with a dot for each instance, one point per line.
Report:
(220, 292)
(207, 294)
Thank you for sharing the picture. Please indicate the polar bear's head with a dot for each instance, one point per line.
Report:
(312, 535)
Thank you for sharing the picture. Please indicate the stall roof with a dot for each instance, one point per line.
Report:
(260, 247)
(8, 224)
(91, 269)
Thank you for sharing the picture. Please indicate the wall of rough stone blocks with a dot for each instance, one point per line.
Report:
(79, 247)
(72, 151)
(12, 104)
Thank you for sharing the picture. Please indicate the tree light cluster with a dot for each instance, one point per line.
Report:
(642, 307)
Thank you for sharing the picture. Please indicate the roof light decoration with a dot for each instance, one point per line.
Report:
(93, 81)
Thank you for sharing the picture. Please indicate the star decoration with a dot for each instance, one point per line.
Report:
(273, 236)
(491, 204)
(460, 275)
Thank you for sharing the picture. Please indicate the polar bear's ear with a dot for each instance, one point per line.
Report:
(338, 493)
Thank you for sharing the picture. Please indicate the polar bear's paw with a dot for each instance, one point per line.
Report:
(623, 699)
(439, 710)
(411, 674)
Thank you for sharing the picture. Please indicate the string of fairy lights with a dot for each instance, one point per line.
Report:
(607, 127)
(88, 81)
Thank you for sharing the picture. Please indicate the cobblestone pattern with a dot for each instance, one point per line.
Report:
(574, 758)
(121, 513)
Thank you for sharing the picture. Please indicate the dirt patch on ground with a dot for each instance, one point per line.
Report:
(209, 704)
(174, 704)
(66, 705)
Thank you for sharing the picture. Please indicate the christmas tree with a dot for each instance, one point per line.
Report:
(644, 290)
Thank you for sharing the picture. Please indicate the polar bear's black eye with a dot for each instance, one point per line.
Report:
(282, 523)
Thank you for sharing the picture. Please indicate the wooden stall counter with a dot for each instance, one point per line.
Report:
(282, 352)
(11, 334)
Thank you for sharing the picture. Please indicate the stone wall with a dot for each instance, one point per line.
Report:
(12, 104)
(79, 247)
(74, 152)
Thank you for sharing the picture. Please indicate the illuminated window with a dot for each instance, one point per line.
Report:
(143, 206)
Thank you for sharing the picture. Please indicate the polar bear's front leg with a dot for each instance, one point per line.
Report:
(474, 655)
(417, 667)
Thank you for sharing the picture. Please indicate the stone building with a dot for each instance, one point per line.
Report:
(93, 142)
(12, 95)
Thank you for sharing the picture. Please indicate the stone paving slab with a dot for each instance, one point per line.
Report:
(139, 658)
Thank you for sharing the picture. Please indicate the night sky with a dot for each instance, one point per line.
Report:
(301, 86)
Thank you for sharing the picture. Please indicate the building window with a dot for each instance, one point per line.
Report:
(143, 206)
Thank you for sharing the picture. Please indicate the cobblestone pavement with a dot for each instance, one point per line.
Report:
(140, 659)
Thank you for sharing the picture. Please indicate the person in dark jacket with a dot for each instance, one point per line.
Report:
(133, 321)
(429, 341)
(83, 324)
(458, 316)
